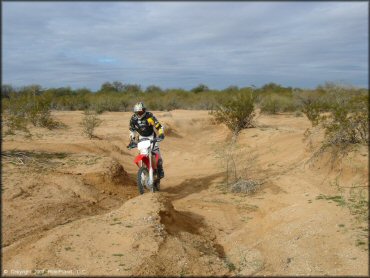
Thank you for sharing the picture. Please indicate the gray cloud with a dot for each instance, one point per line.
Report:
(182, 44)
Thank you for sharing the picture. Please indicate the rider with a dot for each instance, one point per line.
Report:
(142, 122)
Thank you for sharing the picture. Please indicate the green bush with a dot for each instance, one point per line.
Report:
(14, 123)
(298, 113)
(90, 122)
(14, 115)
(117, 96)
(27, 107)
(153, 89)
(343, 115)
(171, 102)
(155, 105)
(200, 88)
(273, 104)
(236, 112)
(343, 127)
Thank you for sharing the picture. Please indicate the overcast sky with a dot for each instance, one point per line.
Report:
(183, 44)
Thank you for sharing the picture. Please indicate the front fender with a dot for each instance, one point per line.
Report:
(142, 157)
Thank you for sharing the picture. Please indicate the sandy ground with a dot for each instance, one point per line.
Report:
(70, 205)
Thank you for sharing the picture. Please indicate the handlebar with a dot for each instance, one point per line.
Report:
(133, 144)
(154, 140)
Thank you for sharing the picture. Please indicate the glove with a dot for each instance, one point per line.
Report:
(161, 136)
(131, 145)
(132, 135)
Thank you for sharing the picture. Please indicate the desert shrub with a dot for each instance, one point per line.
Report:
(231, 89)
(40, 114)
(132, 88)
(14, 115)
(123, 104)
(236, 112)
(273, 104)
(14, 123)
(269, 105)
(172, 104)
(24, 108)
(153, 89)
(155, 105)
(90, 122)
(240, 166)
(6, 90)
(117, 96)
(174, 99)
(276, 88)
(298, 113)
(313, 109)
(343, 127)
(102, 102)
(203, 101)
(312, 106)
(200, 88)
(343, 116)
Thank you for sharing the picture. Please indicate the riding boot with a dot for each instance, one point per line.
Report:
(160, 169)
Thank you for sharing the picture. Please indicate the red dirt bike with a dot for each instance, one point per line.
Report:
(147, 161)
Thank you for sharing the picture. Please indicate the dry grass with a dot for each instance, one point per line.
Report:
(245, 186)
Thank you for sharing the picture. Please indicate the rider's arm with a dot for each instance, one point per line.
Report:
(132, 129)
(154, 122)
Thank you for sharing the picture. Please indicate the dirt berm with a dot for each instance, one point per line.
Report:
(146, 235)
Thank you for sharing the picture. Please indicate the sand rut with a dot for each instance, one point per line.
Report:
(88, 216)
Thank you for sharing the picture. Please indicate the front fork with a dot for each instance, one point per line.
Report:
(151, 178)
(150, 181)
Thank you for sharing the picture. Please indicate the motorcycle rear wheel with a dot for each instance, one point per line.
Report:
(157, 185)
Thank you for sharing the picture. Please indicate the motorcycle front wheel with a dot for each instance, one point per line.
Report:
(142, 179)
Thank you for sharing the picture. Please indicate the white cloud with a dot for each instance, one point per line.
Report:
(182, 44)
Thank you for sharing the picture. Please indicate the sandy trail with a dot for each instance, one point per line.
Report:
(81, 214)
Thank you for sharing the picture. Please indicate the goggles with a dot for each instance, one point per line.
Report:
(140, 113)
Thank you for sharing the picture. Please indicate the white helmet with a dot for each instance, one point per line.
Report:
(139, 110)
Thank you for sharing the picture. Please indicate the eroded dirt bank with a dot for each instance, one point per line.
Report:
(70, 203)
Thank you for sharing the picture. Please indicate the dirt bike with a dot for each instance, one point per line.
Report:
(147, 175)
